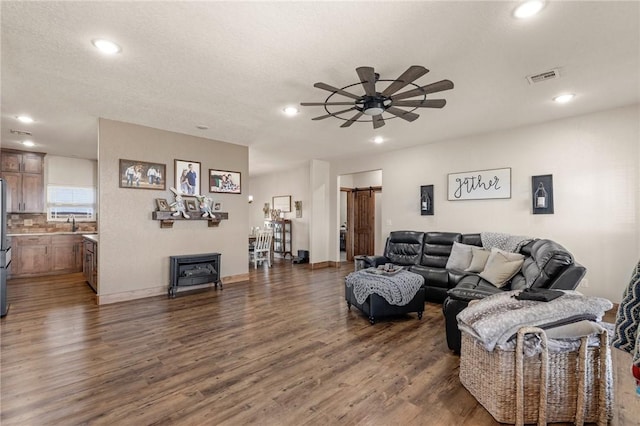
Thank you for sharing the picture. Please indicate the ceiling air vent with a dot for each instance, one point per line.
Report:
(20, 132)
(544, 76)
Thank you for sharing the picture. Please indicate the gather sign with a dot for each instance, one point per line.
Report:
(479, 185)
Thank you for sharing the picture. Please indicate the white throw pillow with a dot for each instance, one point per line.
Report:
(479, 259)
(460, 257)
(501, 267)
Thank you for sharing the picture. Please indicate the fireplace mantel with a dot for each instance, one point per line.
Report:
(166, 219)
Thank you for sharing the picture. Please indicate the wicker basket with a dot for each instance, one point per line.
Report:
(577, 386)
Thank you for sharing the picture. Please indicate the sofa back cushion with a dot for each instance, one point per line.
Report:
(404, 247)
(548, 259)
(437, 247)
(471, 239)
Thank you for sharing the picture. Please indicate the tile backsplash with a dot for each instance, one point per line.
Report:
(25, 223)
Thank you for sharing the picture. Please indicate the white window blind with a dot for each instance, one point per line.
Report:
(64, 201)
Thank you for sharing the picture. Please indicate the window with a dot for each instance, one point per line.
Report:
(64, 201)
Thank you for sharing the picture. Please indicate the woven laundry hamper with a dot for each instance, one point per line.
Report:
(548, 387)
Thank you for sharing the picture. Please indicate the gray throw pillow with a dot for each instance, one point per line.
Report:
(460, 257)
(478, 260)
(501, 267)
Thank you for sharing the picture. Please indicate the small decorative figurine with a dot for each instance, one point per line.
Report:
(178, 204)
(205, 205)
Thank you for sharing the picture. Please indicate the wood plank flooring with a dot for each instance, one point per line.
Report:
(280, 349)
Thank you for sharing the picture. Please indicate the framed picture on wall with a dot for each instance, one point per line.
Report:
(223, 181)
(142, 175)
(282, 203)
(187, 177)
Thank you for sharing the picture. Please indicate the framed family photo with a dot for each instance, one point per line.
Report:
(163, 205)
(223, 181)
(187, 177)
(142, 175)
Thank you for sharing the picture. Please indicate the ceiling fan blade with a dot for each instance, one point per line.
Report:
(429, 88)
(425, 103)
(400, 113)
(326, 87)
(322, 117)
(368, 80)
(352, 119)
(378, 121)
(409, 76)
(324, 103)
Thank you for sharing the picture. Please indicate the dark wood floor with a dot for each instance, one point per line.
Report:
(281, 349)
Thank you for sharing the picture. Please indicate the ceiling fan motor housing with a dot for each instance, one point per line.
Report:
(373, 105)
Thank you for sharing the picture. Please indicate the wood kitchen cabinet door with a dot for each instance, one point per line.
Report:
(64, 253)
(14, 190)
(23, 172)
(33, 260)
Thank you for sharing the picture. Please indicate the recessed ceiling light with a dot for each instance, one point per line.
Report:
(290, 111)
(106, 46)
(24, 119)
(28, 143)
(563, 99)
(528, 9)
(378, 139)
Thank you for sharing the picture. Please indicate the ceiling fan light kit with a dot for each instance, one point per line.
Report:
(374, 104)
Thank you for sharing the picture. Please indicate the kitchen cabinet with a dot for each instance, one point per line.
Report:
(34, 255)
(30, 256)
(90, 262)
(66, 253)
(23, 173)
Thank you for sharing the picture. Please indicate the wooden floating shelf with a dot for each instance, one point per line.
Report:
(166, 219)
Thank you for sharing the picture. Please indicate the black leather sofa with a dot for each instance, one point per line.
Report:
(546, 265)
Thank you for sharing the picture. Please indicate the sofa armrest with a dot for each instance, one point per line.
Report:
(472, 287)
(375, 261)
(569, 278)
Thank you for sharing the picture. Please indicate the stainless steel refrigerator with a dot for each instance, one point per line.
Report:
(5, 249)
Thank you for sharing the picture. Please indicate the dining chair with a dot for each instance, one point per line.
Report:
(262, 247)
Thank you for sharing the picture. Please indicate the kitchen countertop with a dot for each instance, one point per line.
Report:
(36, 234)
(92, 237)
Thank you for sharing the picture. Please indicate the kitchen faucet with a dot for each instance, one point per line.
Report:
(73, 223)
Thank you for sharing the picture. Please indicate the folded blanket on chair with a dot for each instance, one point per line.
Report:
(496, 319)
(506, 242)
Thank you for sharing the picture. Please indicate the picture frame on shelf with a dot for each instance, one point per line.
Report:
(187, 177)
(135, 174)
(163, 205)
(216, 206)
(225, 182)
(191, 203)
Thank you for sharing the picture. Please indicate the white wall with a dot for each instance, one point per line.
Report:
(133, 259)
(293, 182)
(594, 162)
(322, 232)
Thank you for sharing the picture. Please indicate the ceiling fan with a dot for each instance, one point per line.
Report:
(373, 103)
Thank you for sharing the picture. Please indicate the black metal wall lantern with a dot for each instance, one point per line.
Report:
(426, 200)
(542, 194)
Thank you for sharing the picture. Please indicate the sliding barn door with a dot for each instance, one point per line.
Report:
(363, 222)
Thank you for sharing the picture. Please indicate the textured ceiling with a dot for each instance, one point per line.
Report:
(233, 66)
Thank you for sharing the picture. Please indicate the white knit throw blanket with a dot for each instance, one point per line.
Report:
(506, 242)
(397, 289)
(496, 319)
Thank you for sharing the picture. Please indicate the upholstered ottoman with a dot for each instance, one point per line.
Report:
(379, 294)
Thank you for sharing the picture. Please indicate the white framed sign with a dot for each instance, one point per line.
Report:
(479, 185)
